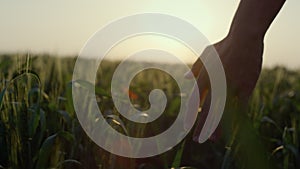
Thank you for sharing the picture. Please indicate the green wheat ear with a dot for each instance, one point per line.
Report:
(20, 120)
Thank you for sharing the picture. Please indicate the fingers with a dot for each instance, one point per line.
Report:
(198, 64)
(200, 90)
(199, 72)
(195, 70)
(203, 84)
(201, 119)
(201, 133)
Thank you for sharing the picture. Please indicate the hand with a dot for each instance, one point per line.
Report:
(242, 61)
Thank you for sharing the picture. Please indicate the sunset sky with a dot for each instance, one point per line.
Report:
(62, 27)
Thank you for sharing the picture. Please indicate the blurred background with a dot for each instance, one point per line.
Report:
(39, 43)
(63, 27)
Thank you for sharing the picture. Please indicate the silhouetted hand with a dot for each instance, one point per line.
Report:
(242, 62)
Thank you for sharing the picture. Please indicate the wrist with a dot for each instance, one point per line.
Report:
(246, 34)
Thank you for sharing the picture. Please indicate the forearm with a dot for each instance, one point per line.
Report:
(253, 18)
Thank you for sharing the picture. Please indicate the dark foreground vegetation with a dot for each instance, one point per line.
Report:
(39, 128)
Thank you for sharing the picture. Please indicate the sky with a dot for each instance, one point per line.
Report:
(62, 27)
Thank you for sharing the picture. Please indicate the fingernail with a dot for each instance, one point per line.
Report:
(189, 75)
